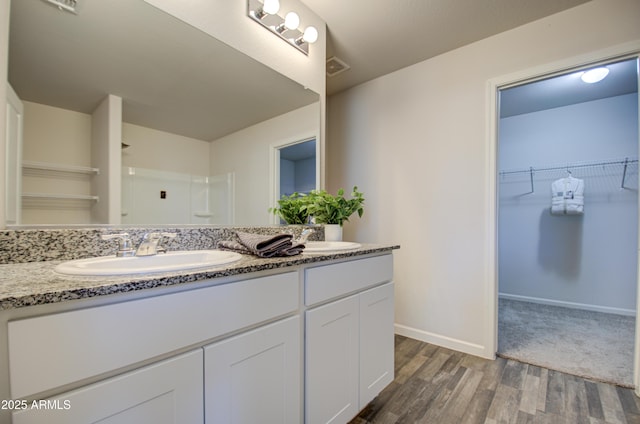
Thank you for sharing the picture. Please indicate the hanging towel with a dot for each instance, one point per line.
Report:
(567, 196)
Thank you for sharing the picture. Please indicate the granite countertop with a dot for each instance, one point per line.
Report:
(36, 283)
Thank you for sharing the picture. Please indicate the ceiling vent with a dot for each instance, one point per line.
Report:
(336, 66)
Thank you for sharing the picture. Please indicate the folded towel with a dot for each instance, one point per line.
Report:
(264, 246)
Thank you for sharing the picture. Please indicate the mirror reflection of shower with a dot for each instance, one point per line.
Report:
(151, 196)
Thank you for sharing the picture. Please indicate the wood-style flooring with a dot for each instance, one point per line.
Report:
(442, 386)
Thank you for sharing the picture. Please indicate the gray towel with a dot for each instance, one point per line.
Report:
(264, 246)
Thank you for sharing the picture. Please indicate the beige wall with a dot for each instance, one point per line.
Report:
(248, 153)
(55, 135)
(4, 53)
(153, 149)
(227, 21)
(63, 137)
(417, 143)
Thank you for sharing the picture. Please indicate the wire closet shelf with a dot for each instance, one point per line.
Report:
(625, 165)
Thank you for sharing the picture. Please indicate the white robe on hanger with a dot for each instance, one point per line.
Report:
(567, 196)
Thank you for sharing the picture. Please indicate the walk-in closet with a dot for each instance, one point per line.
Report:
(568, 222)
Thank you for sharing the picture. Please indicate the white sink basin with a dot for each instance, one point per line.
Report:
(329, 246)
(163, 262)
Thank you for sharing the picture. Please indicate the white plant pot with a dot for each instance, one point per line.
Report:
(332, 232)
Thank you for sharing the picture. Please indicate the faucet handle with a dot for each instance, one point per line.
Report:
(152, 243)
(125, 247)
(304, 235)
(161, 248)
(158, 236)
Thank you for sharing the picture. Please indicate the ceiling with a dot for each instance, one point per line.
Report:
(376, 37)
(567, 89)
(156, 60)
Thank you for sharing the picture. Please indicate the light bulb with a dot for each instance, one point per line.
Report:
(291, 20)
(310, 35)
(594, 75)
(271, 7)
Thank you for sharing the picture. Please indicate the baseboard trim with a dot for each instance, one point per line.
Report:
(443, 341)
(584, 306)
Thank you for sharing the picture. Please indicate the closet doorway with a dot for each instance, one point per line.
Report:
(567, 274)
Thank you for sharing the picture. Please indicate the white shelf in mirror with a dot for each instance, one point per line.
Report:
(55, 196)
(55, 167)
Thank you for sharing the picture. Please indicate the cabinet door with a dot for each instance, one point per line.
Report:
(332, 362)
(255, 377)
(169, 392)
(376, 341)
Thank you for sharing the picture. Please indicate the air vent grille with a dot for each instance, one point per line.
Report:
(335, 66)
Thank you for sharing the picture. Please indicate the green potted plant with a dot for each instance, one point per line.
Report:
(333, 211)
(293, 209)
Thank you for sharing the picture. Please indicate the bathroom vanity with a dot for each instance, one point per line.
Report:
(286, 340)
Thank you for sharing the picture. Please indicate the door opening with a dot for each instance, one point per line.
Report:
(580, 263)
(296, 168)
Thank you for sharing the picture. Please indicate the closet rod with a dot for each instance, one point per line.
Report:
(625, 162)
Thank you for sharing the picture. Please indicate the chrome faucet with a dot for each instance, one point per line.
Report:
(151, 244)
(304, 235)
(125, 247)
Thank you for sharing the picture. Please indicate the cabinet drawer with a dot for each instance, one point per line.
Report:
(332, 281)
(50, 351)
(167, 392)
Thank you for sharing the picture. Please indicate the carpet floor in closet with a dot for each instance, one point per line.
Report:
(588, 344)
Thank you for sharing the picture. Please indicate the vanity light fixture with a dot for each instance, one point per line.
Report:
(594, 75)
(287, 28)
(67, 5)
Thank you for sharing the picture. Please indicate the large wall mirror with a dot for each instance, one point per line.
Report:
(197, 117)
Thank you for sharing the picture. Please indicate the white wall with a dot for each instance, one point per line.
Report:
(305, 175)
(153, 149)
(590, 260)
(4, 54)
(228, 21)
(416, 143)
(106, 139)
(287, 177)
(56, 136)
(59, 136)
(248, 154)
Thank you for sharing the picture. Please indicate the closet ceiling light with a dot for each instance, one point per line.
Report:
(594, 75)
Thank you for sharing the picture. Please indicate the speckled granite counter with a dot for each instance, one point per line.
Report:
(35, 283)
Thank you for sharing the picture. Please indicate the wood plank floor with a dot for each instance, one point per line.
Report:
(442, 386)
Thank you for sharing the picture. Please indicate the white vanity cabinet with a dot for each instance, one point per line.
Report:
(169, 392)
(308, 343)
(349, 337)
(255, 377)
(52, 351)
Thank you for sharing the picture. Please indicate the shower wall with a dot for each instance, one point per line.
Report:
(587, 261)
(152, 196)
